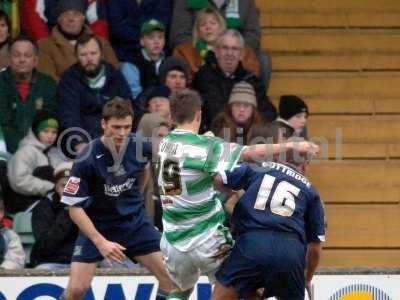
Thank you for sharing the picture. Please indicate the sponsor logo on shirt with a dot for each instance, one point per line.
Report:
(72, 185)
(167, 201)
(114, 190)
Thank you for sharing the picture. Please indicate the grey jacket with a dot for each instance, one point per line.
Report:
(183, 21)
(14, 257)
(29, 156)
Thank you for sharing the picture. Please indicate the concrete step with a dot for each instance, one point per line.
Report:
(338, 41)
(336, 84)
(335, 62)
(356, 19)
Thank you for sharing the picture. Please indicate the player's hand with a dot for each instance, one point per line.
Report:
(112, 251)
(209, 134)
(223, 251)
(308, 148)
(309, 290)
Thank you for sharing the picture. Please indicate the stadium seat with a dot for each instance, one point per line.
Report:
(23, 227)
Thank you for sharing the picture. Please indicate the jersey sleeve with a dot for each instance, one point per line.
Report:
(237, 178)
(315, 220)
(76, 191)
(222, 156)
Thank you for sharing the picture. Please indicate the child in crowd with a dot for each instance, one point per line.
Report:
(293, 114)
(30, 170)
(144, 73)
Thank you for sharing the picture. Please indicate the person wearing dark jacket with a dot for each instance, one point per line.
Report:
(125, 18)
(216, 78)
(53, 229)
(85, 88)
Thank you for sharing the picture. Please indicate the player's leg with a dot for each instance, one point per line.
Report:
(154, 263)
(79, 281)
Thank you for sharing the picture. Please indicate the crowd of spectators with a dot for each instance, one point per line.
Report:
(64, 59)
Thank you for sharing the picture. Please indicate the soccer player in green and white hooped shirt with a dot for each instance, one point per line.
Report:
(194, 236)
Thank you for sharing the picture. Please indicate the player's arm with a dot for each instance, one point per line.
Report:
(315, 234)
(314, 250)
(77, 195)
(110, 250)
(256, 153)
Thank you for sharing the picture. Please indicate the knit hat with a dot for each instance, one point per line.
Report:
(173, 64)
(150, 26)
(65, 5)
(243, 92)
(149, 122)
(62, 170)
(44, 120)
(290, 105)
(158, 91)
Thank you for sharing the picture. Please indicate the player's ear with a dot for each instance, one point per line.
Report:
(198, 116)
(304, 166)
(103, 124)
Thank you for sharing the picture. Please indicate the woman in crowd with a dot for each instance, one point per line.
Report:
(209, 24)
(239, 116)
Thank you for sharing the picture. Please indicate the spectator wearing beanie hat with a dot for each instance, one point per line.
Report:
(293, 114)
(57, 51)
(174, 73)
(239, 116)
(158, 101)
(30, 170)
(53, 229)
(39, 17)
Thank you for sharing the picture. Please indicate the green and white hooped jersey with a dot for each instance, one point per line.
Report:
(192, 209)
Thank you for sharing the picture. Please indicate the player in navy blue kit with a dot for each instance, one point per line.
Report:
(280, 226)
(107, 205)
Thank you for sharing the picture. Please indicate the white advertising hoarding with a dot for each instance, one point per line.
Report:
(325, 287)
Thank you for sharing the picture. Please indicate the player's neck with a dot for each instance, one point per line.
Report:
(189, 127)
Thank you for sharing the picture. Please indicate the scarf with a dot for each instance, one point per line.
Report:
(232, 16)
(204, 49)
(98, 81)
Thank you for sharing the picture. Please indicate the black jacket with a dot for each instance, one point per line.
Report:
(54, 232)
(215, 88)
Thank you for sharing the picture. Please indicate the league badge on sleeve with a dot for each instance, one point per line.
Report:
(72, 185)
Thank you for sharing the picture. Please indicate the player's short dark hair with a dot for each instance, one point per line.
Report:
(184, 104)
(117, 108)
(265, 132)
(24, 38)
(86, 38)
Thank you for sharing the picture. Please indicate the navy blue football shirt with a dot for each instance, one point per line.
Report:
(276, 198)
(106, 189)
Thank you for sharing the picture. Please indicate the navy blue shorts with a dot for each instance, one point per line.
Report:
(138, 240)
(272, 260)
